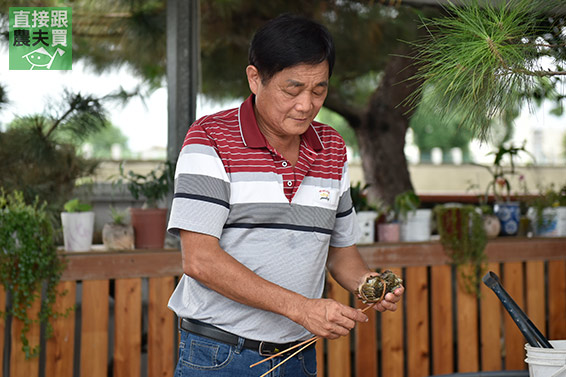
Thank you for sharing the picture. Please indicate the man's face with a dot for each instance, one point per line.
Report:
(287, 103)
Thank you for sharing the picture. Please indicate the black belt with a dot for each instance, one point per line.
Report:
(209, 331)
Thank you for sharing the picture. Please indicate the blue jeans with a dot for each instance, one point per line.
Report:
(200, 356)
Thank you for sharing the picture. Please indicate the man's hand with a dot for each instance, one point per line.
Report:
(390, 300)
(328, 318)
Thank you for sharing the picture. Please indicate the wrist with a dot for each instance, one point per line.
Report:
(295, 308)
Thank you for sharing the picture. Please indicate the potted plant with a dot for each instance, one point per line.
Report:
(78, 225)
(415, 221)
(117, 235)
(463, 236)
(28, 261)
(548, 212)
(508, 212)
(150, 221)
(491, 223)
(388, 226)
(365, 212)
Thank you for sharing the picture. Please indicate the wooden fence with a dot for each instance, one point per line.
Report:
(122, 327)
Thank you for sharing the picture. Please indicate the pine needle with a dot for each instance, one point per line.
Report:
(478, 56)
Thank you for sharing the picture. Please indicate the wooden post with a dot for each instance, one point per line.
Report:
(94, 328)
(490, 326)
(19, 366)
(557, 299)
(338, 349)
(418, 351)
(442, 327)
(468, 343)
(392, 338)
(127, 332)
(514, 339)
(160, 317)
(59, 353)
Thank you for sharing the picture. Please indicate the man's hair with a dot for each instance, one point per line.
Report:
(289, 40)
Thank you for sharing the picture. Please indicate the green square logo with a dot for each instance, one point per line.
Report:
(41, 38)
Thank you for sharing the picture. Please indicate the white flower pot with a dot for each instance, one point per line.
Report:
(554, 224)
(416, 227)
(366, 220)
(77, 230)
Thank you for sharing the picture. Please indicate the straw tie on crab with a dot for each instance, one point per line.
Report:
(372, 291)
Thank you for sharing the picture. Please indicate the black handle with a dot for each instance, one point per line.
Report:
(527, 328)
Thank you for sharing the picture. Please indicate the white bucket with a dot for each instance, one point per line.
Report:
(547, 362)
(416, 228)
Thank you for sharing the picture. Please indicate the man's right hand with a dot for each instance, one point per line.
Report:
(328, 318)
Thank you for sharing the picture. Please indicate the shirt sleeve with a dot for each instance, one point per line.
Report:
(346, 230)
(201, 202)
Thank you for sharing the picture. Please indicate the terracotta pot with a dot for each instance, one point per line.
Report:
(149, 227)
(388, 232)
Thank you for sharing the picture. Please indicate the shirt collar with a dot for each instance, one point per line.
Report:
(252, 136)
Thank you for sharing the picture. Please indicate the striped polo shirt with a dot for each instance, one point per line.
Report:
(276, 219)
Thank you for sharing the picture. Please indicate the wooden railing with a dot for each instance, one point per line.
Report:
(122, 327)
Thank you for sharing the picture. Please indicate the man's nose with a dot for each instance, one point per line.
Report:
(304, 102)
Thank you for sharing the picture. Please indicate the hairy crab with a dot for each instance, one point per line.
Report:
(376, 287)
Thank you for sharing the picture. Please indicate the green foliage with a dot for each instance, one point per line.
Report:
(548, 197)
(28, 260)
(479, 55)
(500, 183)
(75, 205)
(103, 141)
(117, 216)
(432, 131)
(464, 239)
(39, 165)
(360, 199)
(37, 157)
(406, 202)
(3, 97)
(153, 187)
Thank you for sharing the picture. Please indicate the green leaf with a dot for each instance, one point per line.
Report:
(74, 205)
(29, 259)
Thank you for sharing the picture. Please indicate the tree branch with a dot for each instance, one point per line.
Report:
(523, 71)
(350, 112)
(60, 119)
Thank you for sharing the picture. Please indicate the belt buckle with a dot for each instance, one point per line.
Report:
(268, 349)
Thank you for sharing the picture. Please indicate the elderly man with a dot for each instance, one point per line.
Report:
(262, 206)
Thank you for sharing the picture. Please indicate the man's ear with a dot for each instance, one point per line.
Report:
(254, 81)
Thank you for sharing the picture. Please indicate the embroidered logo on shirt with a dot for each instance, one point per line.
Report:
(324, 195)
